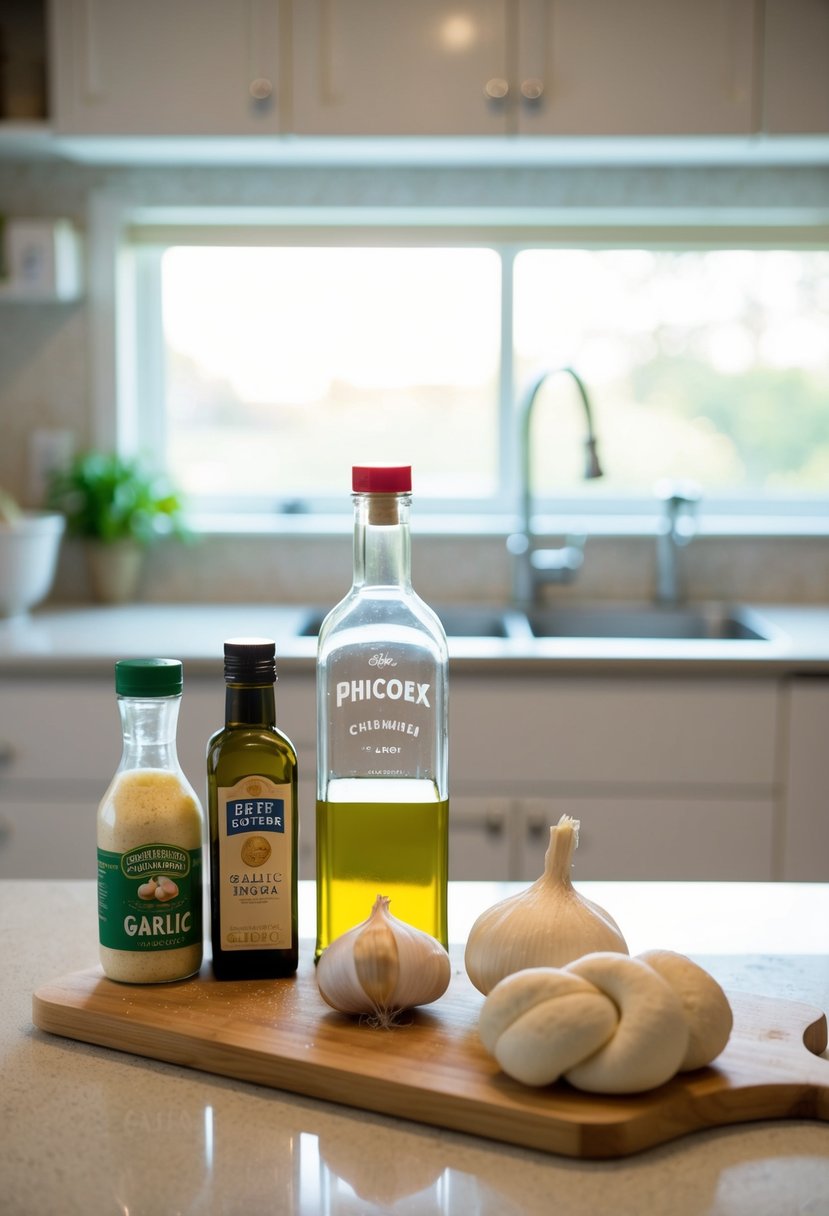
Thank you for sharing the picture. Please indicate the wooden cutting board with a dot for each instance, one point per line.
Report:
(433, 1069)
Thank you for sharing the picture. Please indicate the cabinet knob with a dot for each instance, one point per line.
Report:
(261, 88)
(497, 88)
(536, 827)
(532, 88)
(494, 824)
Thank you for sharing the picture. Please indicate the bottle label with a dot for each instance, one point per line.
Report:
(383, 707)
(149, 898)
(255, 865)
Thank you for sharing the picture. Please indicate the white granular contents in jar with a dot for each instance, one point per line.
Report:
(141, 807)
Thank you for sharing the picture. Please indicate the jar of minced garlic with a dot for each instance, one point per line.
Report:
(150, 834)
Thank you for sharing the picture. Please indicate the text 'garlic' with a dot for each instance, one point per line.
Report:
(382, 966)
(548, 925)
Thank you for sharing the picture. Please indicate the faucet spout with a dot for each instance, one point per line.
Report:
(534, 566)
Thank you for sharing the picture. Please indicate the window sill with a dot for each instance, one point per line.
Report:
(630, 526)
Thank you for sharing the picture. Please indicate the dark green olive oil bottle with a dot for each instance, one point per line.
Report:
(252, 806)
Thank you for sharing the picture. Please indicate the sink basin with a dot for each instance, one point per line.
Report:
(459, 621)
(699, 622)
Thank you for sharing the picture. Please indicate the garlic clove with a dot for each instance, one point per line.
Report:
(548, 925)
(376, 961)
(382, 966)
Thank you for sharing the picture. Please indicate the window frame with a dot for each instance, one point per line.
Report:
(138, 235)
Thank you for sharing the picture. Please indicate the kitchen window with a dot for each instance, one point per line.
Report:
(268, 367)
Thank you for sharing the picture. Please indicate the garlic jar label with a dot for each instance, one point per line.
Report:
(255, 817)
(149, 898)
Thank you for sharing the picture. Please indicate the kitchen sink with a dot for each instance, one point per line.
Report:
(713, 622)
(459, 621)
(705, 622)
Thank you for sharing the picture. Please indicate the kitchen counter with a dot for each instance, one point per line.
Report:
(87, 640)
(87, 1130)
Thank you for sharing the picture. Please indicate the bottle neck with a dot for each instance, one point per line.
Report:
(149, 731)
(382, 540)
(250, 705)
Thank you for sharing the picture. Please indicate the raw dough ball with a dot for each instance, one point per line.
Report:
(706, 1006)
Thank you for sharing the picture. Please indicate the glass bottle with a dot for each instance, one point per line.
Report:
(252, 807)
(150, 831)
(382, 794)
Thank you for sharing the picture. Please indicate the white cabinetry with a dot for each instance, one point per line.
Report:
(796, 79)
(479, 68)
(390, 67)
(806, 818)
(671, 778)
(192, 67)
(641, 67)
(61, 743)
(548, 67)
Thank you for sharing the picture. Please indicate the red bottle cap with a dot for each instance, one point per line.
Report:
(381, 479)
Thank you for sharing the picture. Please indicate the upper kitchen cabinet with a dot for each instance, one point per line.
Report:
(636, 67)
(796, 68)
(535, 67)
(391, 67)
(152, 67)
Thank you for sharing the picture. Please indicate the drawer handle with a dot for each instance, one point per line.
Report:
(494, 824)
(7, 754)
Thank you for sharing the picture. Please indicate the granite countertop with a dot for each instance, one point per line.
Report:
(89, 1131)
(86, 640)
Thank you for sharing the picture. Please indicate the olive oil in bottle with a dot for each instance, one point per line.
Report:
(382, 796)
(252, 803)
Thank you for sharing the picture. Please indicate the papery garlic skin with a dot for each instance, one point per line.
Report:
(382, 966)
(548, 925)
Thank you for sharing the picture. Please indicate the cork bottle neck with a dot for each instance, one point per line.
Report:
(382, 547)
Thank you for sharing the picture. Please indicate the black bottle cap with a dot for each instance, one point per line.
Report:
(250, 660)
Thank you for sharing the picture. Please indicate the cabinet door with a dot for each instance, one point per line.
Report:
(642, 67)
(390, 67)
(796, 67)
(481, 839)
(52, 838)
(667, 838)
(522, 736)
(806, 822)
(191, 67)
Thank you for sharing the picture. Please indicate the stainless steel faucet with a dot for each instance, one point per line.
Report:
(677, 528)
(533, 566)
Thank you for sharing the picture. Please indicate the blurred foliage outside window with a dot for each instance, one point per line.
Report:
(283, 366)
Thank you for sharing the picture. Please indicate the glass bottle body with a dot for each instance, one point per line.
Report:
(150, 828)
(382, 795)
(252, 806)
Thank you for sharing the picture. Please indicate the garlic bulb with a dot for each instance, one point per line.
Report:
(547, 925)
(382, 966)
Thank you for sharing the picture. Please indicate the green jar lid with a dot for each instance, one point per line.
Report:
(148, 677)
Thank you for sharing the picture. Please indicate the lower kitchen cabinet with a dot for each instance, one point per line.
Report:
(482, 839)
(45, 838)
(668, 838)
(805, 816)
(671, 778)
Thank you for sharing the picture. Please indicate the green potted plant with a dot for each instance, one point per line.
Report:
(117, 508)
